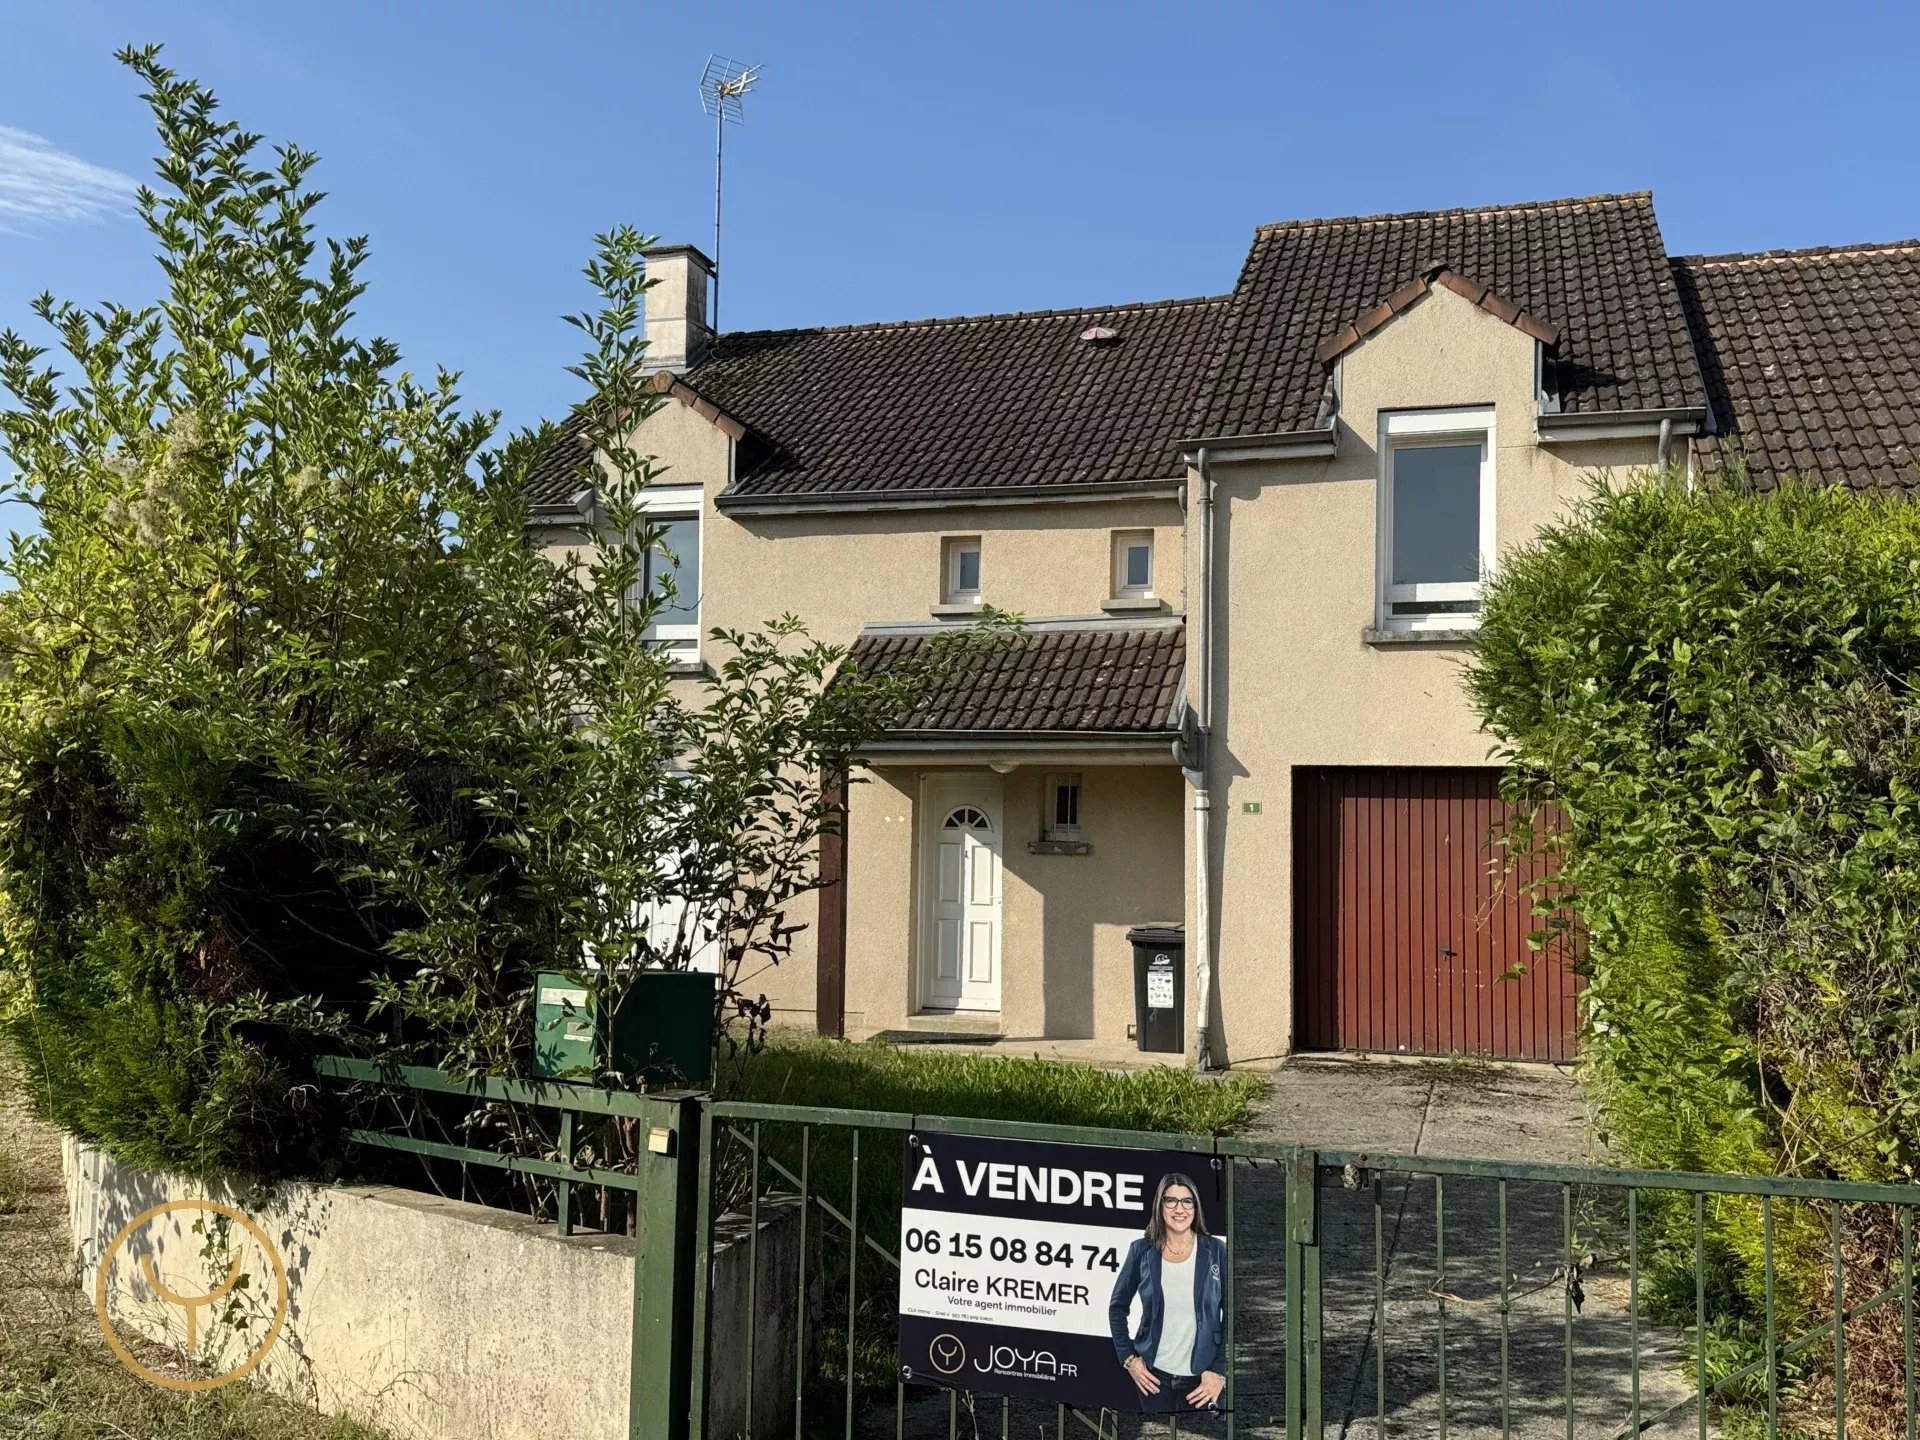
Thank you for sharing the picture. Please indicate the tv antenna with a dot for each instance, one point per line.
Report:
(723, 85)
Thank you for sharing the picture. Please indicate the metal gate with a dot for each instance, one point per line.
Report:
(1366, 1295)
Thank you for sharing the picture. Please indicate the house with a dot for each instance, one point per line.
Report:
(1247, 532)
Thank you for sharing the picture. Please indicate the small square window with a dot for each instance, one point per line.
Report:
(1133, 564)
(1061, 819)
(961, 567)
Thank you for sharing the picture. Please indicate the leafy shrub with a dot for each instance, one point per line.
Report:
(303, 744)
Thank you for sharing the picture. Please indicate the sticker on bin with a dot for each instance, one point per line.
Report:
(1159, 989)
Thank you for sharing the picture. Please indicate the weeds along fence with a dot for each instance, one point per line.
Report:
(1369, 1295)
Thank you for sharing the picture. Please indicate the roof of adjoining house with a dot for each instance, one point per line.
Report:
(1054, 677)
(1812, 360)
(1594, 269)
(554, 478)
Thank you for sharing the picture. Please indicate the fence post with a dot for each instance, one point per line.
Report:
(1303, 1297)
(666, 1257)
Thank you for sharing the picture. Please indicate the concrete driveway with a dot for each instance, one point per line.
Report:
(1460, 1109)
(1429, 1107)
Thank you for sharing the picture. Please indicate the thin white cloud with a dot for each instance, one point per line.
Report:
(41, 184)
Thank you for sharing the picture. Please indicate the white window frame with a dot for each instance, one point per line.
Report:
(1123, 540)
(1413, 429)
(1049, 830)
(952, 548)
(678, 502)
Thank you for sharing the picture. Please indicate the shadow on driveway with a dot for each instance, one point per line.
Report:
(1384, 1274)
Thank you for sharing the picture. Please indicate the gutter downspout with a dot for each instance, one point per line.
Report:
(1202, 799)
(1662, 447)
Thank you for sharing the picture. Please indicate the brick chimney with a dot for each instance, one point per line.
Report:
(678, 334)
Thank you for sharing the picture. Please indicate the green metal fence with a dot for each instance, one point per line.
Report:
(1366, 1294)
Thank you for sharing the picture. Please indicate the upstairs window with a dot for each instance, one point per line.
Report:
(961, 570)
(1436, 517)
(671, 570)
(1133, 564)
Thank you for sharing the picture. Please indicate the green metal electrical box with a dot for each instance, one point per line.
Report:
(662, 1028)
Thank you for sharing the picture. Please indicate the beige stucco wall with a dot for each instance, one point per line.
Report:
(843, 570)
(1065, 966)
(839, 572)
(1295, 683)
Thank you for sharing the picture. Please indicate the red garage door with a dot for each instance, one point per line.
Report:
(1404, 923)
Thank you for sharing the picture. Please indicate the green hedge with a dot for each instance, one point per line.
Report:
(1715, 689)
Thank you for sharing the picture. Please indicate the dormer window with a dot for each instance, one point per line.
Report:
(1436, 535)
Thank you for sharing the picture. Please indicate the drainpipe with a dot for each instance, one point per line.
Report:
(1202, 799)
(1662, 447)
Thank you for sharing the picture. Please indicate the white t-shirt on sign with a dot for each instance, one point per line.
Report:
(1174, 1354)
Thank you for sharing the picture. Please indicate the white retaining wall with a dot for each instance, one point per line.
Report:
(435, 1319)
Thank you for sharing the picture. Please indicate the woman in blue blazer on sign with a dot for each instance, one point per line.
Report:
(1178, 1270)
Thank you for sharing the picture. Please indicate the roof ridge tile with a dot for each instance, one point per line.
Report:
(933, 322)
(1623, 197)
(1863, 250)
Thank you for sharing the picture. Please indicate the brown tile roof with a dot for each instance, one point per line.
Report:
(554, 478)
(1019, 402)
(1593, 268)
(1812, 360)
(1055, 677)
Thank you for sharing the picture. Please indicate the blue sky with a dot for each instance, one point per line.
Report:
(911, 159)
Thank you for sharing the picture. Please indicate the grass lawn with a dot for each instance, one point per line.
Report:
(802, 1070)
(58, 1380)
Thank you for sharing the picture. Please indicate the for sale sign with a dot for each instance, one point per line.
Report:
(1035, 1269)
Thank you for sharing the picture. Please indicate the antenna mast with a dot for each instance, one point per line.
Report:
(723, 84)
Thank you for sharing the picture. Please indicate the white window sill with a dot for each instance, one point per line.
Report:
(1374, 635)
(952, 610)
(1129, 604)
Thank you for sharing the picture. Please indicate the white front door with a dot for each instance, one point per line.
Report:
(960, 938)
